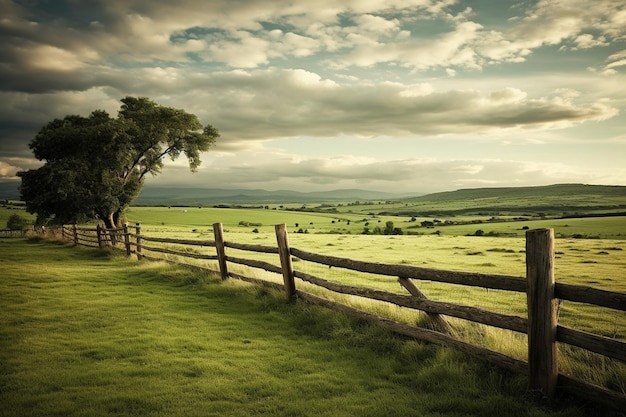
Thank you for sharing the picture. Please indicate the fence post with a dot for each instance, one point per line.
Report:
(138, 247)
(285, 261)
(218, 232)
(542, 311)
(75, 229)
(127, 239)
(99, 233)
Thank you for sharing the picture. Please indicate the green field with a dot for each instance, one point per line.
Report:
(590, 251)
(86, 332)
(249, 219)
(599, 263)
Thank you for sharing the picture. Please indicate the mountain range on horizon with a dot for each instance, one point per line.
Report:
(151, 195)
(192, 196)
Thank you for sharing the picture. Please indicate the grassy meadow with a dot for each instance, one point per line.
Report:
(590, 251)
(599, 263)
(87, 332)
(263, 220)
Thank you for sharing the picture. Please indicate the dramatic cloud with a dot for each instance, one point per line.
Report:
(546, 72)
(427, 175)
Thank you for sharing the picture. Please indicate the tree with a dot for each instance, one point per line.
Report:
(95, 166)
(17, 222)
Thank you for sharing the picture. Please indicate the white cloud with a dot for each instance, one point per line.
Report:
(552, 21)
(586, 41)
(265, 104)
(283, 171)
(8, 170)
(370, 69)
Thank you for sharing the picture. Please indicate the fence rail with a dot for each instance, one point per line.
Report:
(542, 295)
(12, 233)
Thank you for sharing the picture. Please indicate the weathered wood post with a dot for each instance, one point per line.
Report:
(138, 236)
(218, 231)
(542, 311)
(285, 261)
(127, 239)
(99, 234)
(75, 230)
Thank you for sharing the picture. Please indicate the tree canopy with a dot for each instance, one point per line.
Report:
(95, 166)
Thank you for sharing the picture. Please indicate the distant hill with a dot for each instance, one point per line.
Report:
(563, 199)
(546, 191)
(151, 196)
(558, 198)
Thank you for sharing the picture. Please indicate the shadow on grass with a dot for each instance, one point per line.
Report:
(108, 335)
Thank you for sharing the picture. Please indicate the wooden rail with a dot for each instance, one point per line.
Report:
(12, 233)
(542, 294)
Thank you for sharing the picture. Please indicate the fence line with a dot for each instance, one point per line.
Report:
(542, 294)
(12, 233)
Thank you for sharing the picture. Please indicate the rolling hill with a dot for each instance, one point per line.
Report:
(170, 196)
(561, 199)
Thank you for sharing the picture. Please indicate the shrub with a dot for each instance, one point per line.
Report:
(17, 222)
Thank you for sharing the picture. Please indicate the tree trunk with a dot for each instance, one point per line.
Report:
(117, 215)
(110, 224)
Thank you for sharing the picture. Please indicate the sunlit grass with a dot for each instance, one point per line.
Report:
(91, 333)
(346, 222)
(597, 263)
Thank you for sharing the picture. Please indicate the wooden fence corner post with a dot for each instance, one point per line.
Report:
(127, 239)
(542, 311)
(285, 261)
(138, 236)
(218, 232)
(75, 230)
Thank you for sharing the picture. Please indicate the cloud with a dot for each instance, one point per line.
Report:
(260, 70)
(98, 42)
(283, 171)
(550, 22)
(273, 103)
(615, 60)
(8, 171)
(10, 166)
(23, 114)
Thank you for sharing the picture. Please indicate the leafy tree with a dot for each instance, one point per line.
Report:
(17, 222)
(95, 166)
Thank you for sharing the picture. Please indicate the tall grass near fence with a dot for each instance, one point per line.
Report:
(88, 332)
(542, 323)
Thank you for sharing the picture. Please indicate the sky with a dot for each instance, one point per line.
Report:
(403, 96)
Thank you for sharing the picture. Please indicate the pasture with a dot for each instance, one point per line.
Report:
(599, 263)
(87, 332)
(263, 220)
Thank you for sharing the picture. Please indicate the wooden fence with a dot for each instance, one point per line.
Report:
(12, 233)
(542, 295)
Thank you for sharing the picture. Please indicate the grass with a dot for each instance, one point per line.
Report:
(235, 219)
(90, 333)
(589, 262)
(7, 210)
